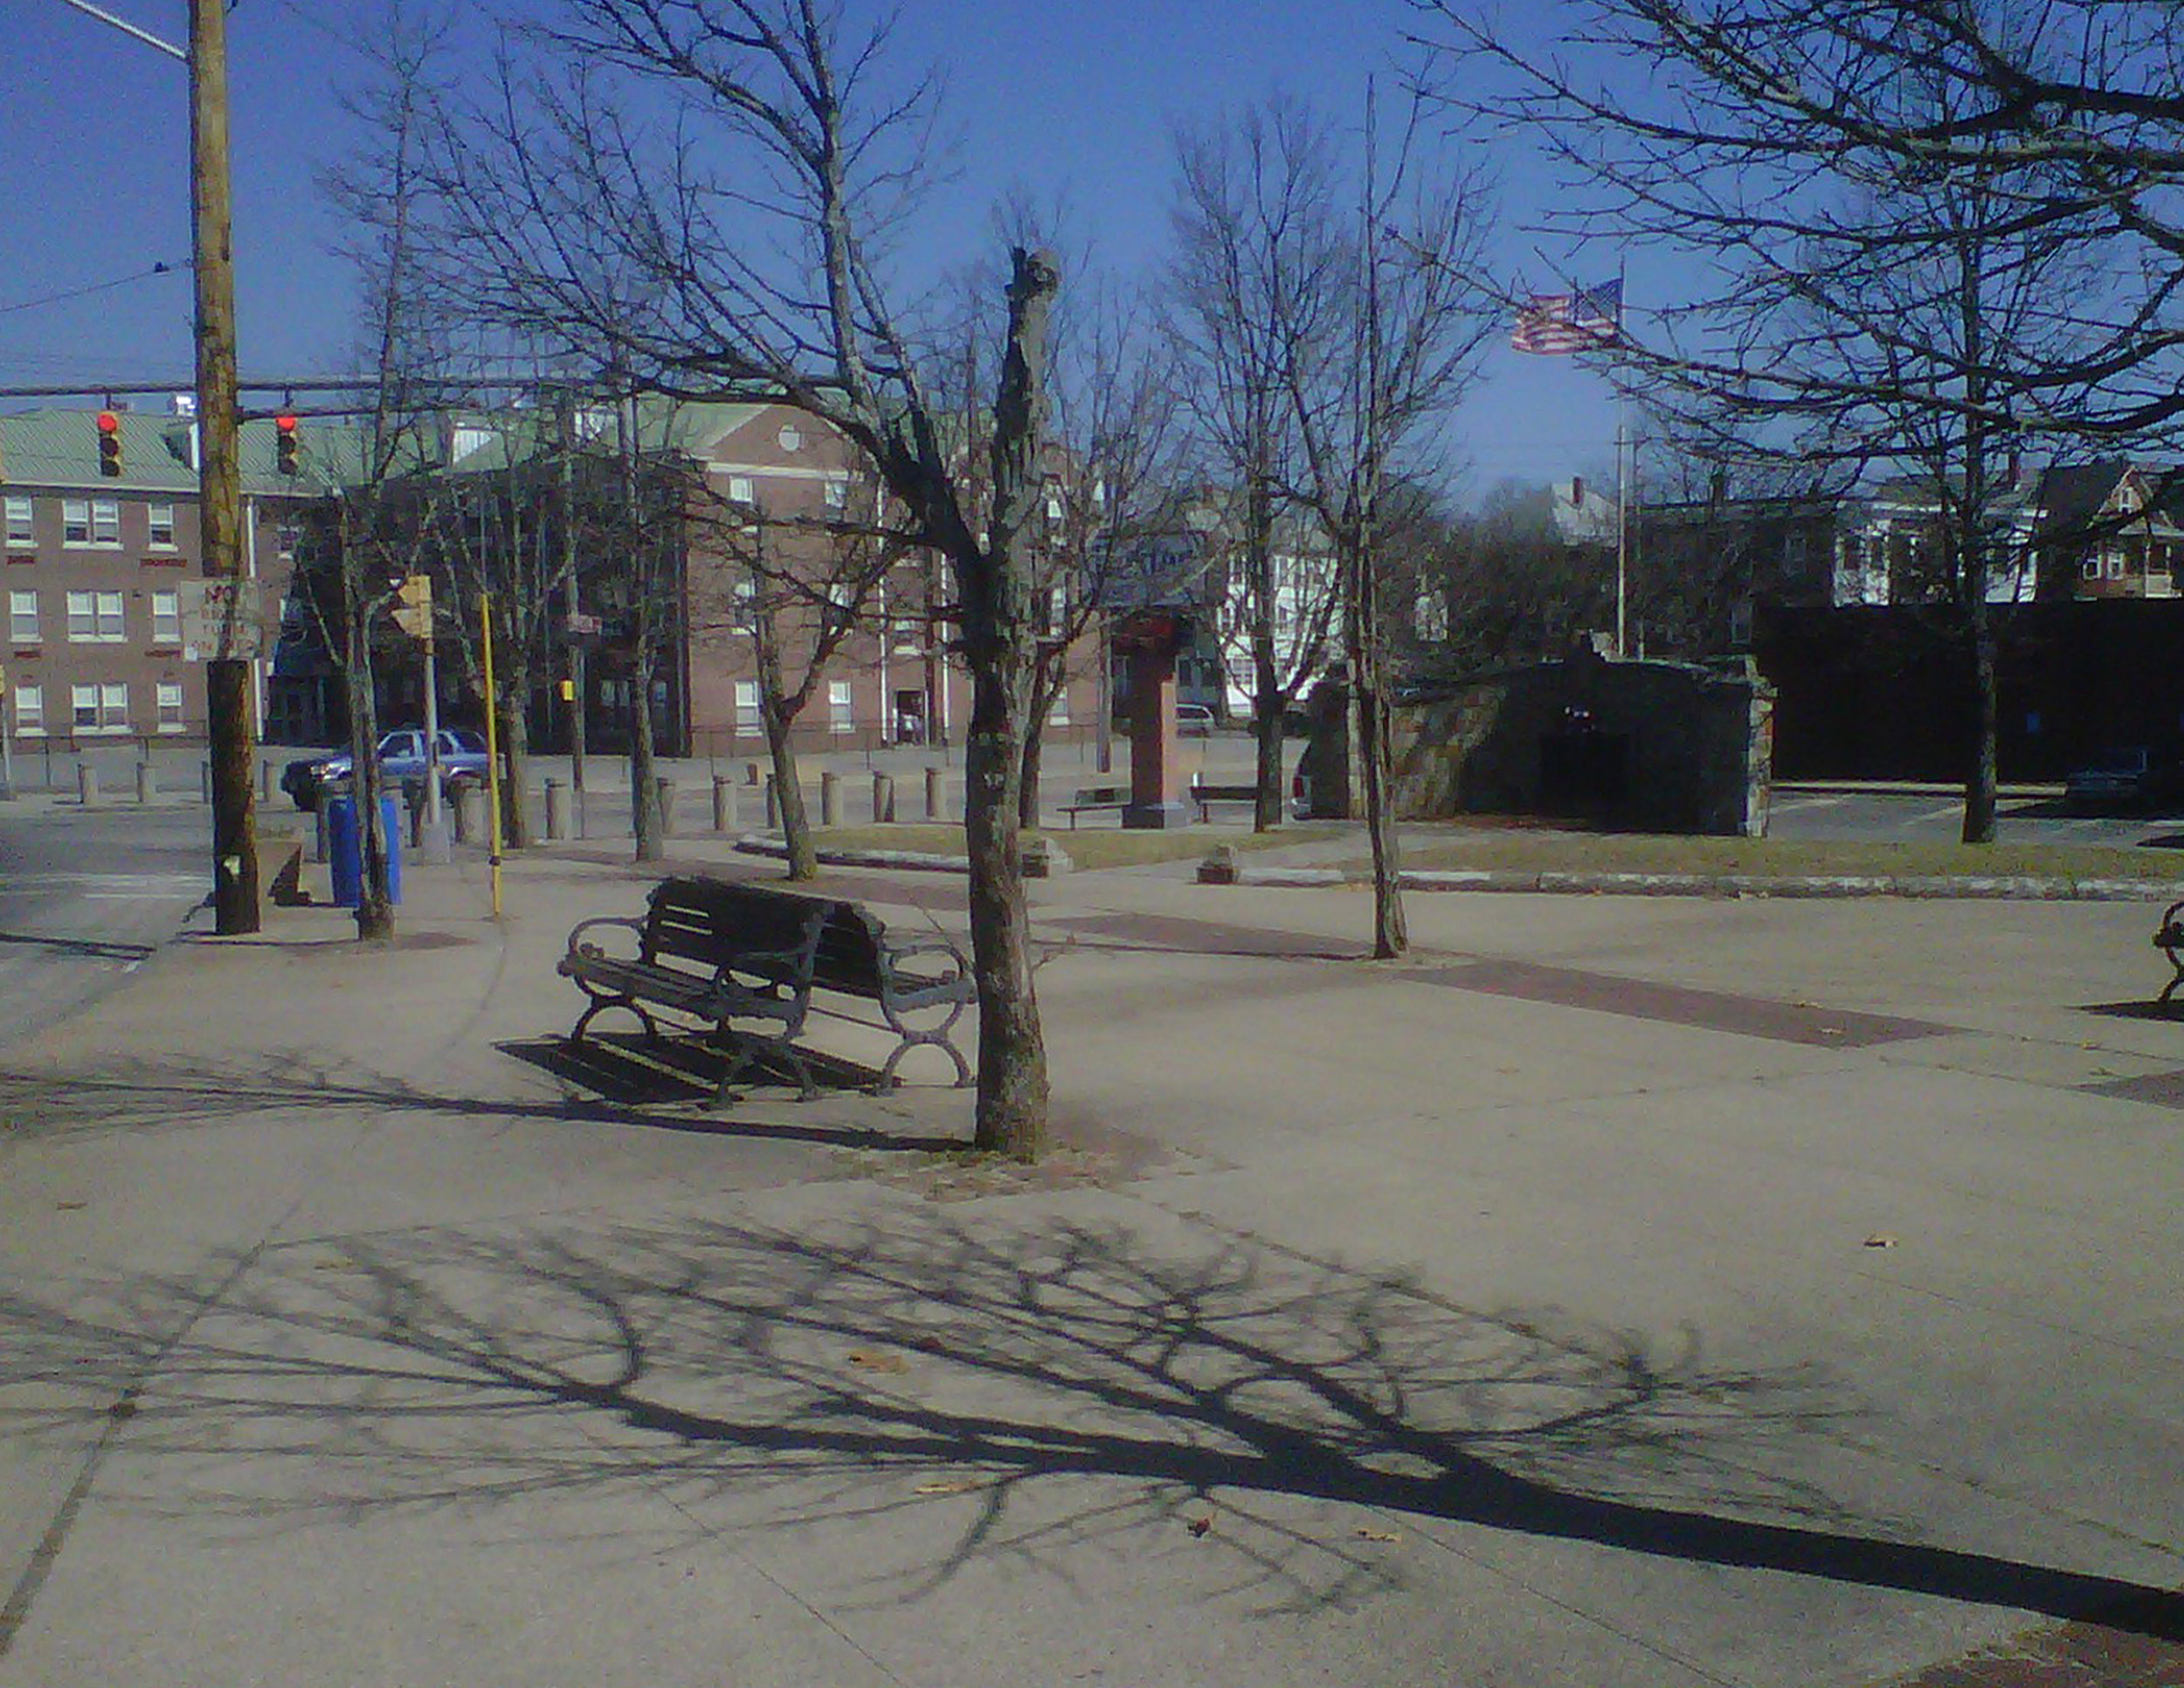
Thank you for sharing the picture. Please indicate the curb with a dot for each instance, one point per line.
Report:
(2016, 888)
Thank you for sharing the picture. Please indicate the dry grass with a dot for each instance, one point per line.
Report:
(1555, 852)
(1091, 848)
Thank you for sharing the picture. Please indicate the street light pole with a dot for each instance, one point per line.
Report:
(235, 902)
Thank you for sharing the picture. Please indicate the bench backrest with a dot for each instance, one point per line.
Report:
(706, 920)
(1090, 797)
(851, 945)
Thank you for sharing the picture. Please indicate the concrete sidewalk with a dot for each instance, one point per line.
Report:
(1616, 1291)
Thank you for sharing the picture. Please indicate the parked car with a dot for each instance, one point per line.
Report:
(402, 758)
(1193, 720)
(2123, 776)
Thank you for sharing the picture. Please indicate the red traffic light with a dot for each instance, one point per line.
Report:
(285, 422)
(109, 443)
(285, 444)
(109, 423)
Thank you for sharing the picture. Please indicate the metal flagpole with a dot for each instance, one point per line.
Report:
(1622, 526)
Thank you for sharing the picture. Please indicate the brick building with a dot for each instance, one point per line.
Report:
(95, 571)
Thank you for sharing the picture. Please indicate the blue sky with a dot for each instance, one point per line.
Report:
(1080, 98)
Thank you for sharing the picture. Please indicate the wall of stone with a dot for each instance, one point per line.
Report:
(1641, 746)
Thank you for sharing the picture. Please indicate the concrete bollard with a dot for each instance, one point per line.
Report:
(883, 797)
(268, 782)
(830, 799)
(86, 784)
(318, 833)
(936, 794)
(470, 814)
(557, 809)
(723, 804)
(144, 786)
(664, 790)
(773, 806)
(750, 773)
(204, 781)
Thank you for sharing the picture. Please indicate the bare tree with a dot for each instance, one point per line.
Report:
(377, 522)
(808, 581)
(758, 265)
(1914, 217)
(1388, 328)
(1255, 229)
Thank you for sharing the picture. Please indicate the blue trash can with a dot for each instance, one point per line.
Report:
(345, 850)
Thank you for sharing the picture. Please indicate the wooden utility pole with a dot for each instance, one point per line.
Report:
(235, 904)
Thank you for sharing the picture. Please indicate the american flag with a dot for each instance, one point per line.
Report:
(1555, 323)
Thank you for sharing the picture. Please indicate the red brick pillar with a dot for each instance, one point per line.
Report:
(1156, 784)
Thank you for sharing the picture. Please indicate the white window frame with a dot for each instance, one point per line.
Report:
(30, 711)
(156, 518)
(837, 493)
(167, 697)
(167, 617)
(75, 521)
(1058, 715)
(748, 716)
(841, 707)
(22, 519)
(23, 618)
(741, 491)
(106, 522)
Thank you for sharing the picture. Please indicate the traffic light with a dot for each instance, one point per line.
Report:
(413, 606)
(285, 444)
(109, 443)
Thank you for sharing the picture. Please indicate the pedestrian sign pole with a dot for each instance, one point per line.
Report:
(493, 753)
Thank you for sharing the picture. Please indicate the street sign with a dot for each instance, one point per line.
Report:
(579, 625)
(224, 619)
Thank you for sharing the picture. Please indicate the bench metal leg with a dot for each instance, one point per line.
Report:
(912, 1040)
(600, 1005)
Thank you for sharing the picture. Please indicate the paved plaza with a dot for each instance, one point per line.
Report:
(1615, 1290)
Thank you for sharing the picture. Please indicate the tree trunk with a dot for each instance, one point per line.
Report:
(1027, 782)
(1390, 933)
(795, 819)
(1001, 640)
(1979, 792)
(643, 793)
(374, 906)
(516, 757)
(1268, 702)
(778, 719)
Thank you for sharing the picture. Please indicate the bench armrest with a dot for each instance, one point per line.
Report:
(577, 947)
(917, 946)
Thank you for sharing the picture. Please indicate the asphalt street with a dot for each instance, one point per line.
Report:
(1929, 816)
(85, 897)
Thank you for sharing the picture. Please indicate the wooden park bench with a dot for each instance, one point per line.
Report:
(1096, 799)
(1206, 796)
(736, 956)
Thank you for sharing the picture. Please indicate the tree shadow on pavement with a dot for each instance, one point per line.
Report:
(1018, 1392)
(675, 1093)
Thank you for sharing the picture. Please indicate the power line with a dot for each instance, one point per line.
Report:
(160, 268)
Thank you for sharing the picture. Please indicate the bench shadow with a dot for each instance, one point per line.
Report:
(2146, 1008)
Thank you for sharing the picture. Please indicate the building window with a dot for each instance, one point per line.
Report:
(841, 710)
(169, 698)
(836, 493)
(96, 618)
(791, 439)
(1058, 714)
(166, 618)
(100, 709)
(746, 719)
(21, 528)
(161, 519)
(22, 618)
(30, 711)
(740, 491)
(105, 521)
(75, 520)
